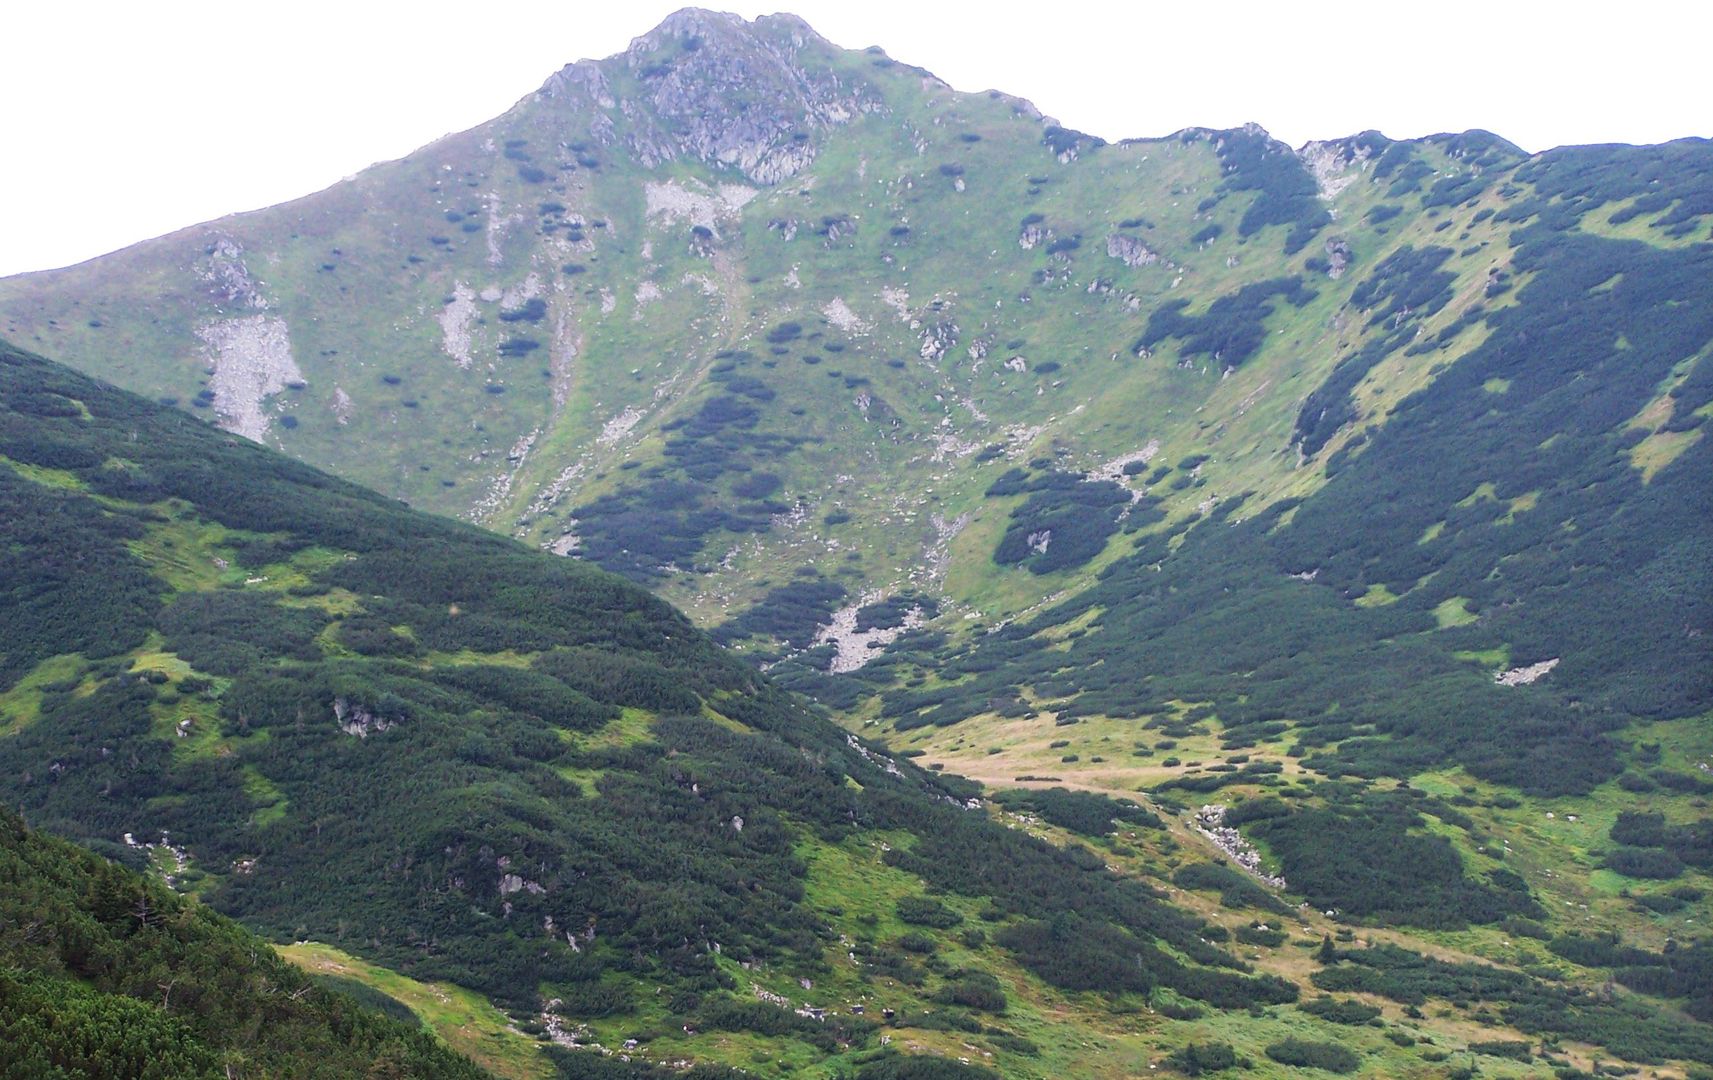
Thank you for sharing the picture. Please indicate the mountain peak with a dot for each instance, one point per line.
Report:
(723, 29)
(715, 87)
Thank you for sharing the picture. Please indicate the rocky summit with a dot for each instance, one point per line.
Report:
(1187, 603)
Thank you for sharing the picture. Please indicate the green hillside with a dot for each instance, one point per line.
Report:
(344, 721)
(104, 974)
(1184, 602)
(341, 720)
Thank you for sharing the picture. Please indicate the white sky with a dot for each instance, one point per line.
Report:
(121, 120)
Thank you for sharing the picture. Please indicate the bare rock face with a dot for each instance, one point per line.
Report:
(357, 719)
(1337, 256)
(252, 360)
(1129, 250)
(691, 70)
(227, 277)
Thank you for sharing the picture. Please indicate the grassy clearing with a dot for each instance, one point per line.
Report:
(21, 705)
(41, 474)
(1453, 611)
(462, 1019)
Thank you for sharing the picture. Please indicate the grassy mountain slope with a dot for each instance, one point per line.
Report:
(428, 746)
(1359, 489)
(339, 719)
(105, 974)
(738, 304)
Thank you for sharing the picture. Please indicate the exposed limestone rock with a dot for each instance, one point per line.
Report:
(455, 319)
(695, 202)
(500, 488)
(947, 443)
(898, 300)
(1210, 822)
(1130, 251)
(1032, 235)
(583, 79)
(1113, 471)
(937, 340)
(499, 225)
(619, 426)
(515, 297)
(937, 559)
(562, 356)
(683, 109)
(251, 357)
(710, 288)
(1330, 163)
(1337, 256)
(857, 647)
(227, 277)
(1523, 676)
(180, 855)
(840, 315)
(357, 719)
(342, 405)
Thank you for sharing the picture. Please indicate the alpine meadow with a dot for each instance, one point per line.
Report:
(757, 563)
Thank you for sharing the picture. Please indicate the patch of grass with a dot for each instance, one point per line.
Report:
(462, 1019)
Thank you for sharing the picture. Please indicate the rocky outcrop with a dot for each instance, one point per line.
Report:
(693, 67)
(1337, 256)
(1130, 251)
(227, 277)
(455, 319)
(252, 361)
(1526, 675)
(355, 718)
(696, 203)
(938, 339)
(1210, 822)
(840, 315)
(857, 647)
(1335, 165)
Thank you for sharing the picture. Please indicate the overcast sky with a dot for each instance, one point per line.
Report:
(124, 120)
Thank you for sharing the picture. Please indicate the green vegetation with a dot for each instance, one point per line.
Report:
(105, 974)
(1330, 1057)
(583, 803)
(1362, 492)
(1081, 812)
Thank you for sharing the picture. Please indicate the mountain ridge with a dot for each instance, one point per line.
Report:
(1345, 503)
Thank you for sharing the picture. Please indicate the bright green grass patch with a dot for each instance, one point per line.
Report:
(1484, 490)
(1493, 658)
(21, 705)
(1661, 449)
(1376, 596)
(632, 726)
(462, 1019)
(54, 478)
(188, 554)
(1453, 611)
(465, 657)
(271, 801)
